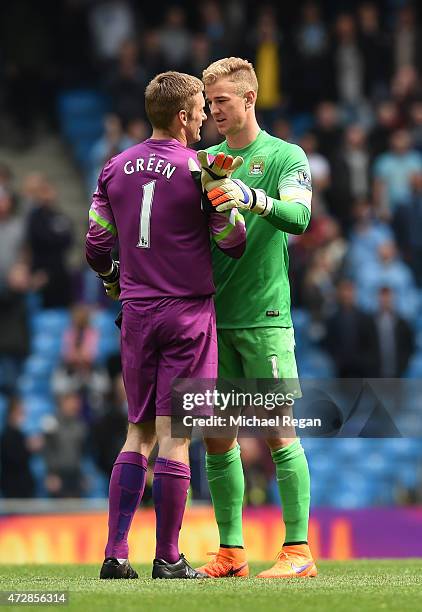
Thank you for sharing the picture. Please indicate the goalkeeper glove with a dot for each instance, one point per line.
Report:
(230, 193)
(222, 166)
(111, 281)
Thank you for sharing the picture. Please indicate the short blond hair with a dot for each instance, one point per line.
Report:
(167, 94)
(237, 70)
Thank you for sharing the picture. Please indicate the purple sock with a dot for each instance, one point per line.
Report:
(127, 485)
(169, 491)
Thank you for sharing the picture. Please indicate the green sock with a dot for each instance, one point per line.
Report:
(227, 487)
(294, 486)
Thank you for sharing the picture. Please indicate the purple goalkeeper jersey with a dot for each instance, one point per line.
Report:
(147, 198)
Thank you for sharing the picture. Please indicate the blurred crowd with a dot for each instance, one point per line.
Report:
(343, 84)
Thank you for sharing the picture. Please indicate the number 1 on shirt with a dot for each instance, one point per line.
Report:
(145, 216)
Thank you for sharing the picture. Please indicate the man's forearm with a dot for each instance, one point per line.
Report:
(100, 262)
(229, 232)
(290, 217)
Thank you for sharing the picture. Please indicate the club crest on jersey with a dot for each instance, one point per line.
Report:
(256, 166)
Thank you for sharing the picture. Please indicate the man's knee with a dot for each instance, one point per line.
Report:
(141, 437)
(277, 443)
(168, 446)
(218, 446)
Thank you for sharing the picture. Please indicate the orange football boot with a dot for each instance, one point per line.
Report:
(228, 562)
(292, 562)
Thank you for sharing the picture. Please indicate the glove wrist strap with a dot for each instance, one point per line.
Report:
(112, 275)
(261, 203)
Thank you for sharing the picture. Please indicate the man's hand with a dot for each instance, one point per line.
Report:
(111, 281)
(228, 193)
(222, 166)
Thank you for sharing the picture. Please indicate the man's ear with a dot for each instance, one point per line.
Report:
(183, 116)
(250, 98)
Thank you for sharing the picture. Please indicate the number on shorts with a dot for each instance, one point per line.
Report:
(274, 366)
(145, 216)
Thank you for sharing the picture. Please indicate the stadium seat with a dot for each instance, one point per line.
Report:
(317, 363)
(409, 423)
(30, 385)
(38, 470)
(103, 320)
(409, 475)
(300, 318)
(109, 337)
(47, 345)
(349, 499)
(82, 149)
(38, 366)
(375, 464)
(404, 449)
(322, 466)
(414, 369)
(80, 102)
(3, 408)
(321, 493)
(52, 321)
(301, 123)
(352, 447)
(97, 481)
(36, 408)
(352, 490)
(83, 128)
(81, 116)
(418, 320)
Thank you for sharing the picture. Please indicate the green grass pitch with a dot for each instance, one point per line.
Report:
(355, 586)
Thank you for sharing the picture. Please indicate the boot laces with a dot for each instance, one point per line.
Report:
(282, 556)
(219, 562)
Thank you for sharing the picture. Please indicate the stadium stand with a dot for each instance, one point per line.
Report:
(382, 100)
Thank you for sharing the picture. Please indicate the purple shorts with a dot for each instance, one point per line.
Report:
(163, 339)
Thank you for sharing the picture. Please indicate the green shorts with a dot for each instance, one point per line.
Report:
(258, 353)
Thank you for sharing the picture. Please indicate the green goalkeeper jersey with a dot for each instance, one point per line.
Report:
(254, 291)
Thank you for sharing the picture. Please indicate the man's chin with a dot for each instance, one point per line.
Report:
(222, 129)
(194, 139)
